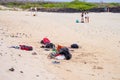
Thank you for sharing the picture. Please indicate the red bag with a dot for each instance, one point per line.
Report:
(46, 41)
(27, 48)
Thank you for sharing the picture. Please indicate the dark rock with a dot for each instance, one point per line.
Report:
(21, 71)
(34, 53)
(12, 69)
(70, 10)
(111, 9)
(37, 75)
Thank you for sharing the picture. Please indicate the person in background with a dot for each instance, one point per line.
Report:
(85, 14)
(86, 17)
(35, 11)
(82, 17)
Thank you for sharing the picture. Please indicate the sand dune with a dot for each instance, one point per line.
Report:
(97, 59)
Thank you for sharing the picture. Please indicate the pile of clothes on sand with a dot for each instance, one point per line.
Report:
(59, 52)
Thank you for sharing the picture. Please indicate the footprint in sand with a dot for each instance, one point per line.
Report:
(97, 67)
(68, 70)
(118, 41)
(21, 71)
(37, 75)
(1, 54)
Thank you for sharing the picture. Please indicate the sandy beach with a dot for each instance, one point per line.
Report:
(98, 57)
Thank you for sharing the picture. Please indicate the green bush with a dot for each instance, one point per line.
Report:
(114, 4)
(76, 4)
(81, 5)
(25, 6)
(13, 4)
(48, 5)
(29, 5)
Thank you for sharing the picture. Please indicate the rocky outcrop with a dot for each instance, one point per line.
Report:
(70, 10)
(111, 9)
(58, 10)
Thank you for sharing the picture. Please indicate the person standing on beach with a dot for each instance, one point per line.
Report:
(106, 9)
(87, 17)
(82, 17)
(34, 10)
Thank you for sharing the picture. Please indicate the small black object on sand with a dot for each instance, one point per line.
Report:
(12, 69)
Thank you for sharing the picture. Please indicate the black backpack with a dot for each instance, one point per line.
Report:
(65, 51)
(49, 45)
(74, 46)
